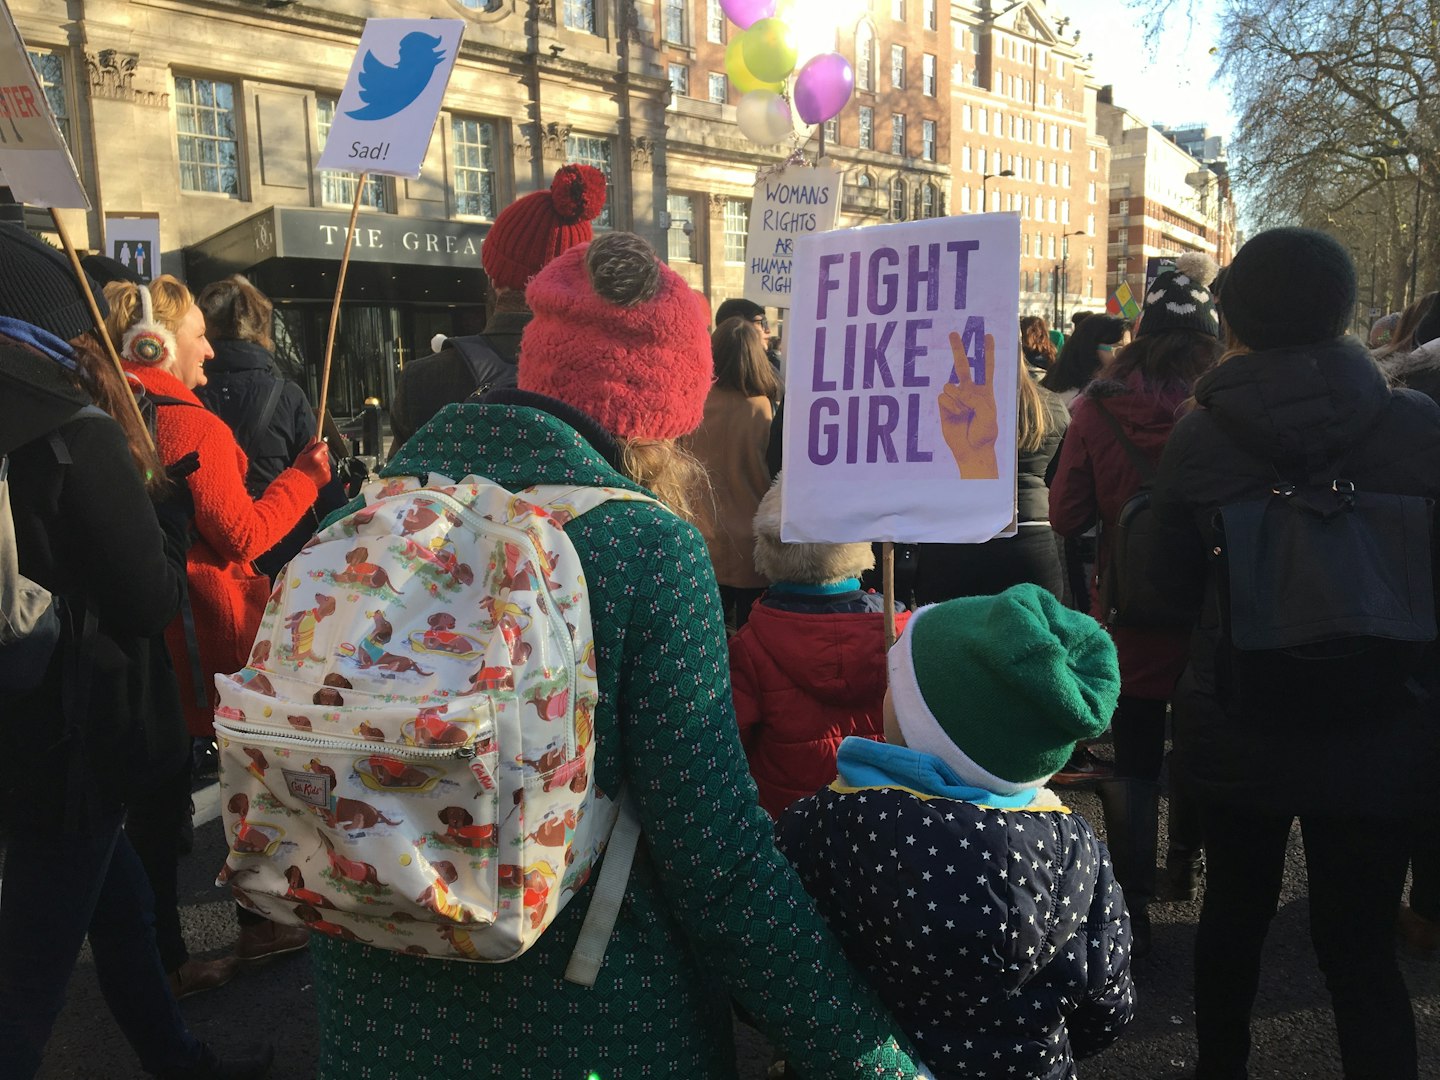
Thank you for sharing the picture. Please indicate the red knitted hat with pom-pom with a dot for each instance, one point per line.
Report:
(641, 369)
(531, 231)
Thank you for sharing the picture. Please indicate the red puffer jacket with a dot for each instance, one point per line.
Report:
(227, 595)
(802, 683)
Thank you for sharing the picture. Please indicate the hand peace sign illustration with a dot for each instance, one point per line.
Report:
(967, 413)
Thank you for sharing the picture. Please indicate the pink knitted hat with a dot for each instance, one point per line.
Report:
(641, 369)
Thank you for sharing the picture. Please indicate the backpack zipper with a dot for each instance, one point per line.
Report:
(250, 733)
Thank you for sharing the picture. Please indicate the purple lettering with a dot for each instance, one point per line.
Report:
(930, 276)
(827, 284)
(817, 379)
(962, 250)
(972, 340)
(853, 307)
(878, 277)
(847, 376)
(824, 434)
(881, 430)
(912, 432)
(852, 431)
(877, 340)
(913, 351)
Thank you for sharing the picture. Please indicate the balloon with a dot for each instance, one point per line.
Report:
(744, 13)
(823, 87)
(769, 50)
(764, 117)
(741, 78)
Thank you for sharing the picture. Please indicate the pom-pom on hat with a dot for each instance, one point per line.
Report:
(531, 231)
(37, 286)
(1289, 287)
(1180, 299)
(1001, 688)
(620, 336)
(802, 563)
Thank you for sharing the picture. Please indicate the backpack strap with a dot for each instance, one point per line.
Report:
(1143, 465)
(166, 399)
(487, 367)
(595, 932)
(260, 422)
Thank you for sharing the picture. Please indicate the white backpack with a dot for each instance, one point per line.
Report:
(407, 760)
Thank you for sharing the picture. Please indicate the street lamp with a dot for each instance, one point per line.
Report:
(1064, 277)
(984, 199)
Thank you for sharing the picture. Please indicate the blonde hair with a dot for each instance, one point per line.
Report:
(1034, 419)
(170, 302)
(669, 471)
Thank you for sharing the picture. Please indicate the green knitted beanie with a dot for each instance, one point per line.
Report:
(1002, 687)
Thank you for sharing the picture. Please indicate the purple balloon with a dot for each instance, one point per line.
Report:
(745, 13)
(823, 87)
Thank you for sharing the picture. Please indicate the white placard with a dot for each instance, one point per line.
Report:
(387, 110)
(35, 161)
(797, 201)
(900, 407)
(133, 240)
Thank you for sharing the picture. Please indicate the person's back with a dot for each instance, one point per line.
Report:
(983, 911)
(808, 666)
(242, 380)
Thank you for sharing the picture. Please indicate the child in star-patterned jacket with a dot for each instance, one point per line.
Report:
(984, 912)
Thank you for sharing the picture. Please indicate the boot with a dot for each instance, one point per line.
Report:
(196, 976)
(267, 940)
(1132, 828)
(1184, 871)
(252, 1065)
(1185, 862)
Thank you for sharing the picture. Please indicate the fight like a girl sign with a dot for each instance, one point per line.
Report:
(900, 407)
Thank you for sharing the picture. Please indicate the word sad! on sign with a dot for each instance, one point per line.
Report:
(891, 298)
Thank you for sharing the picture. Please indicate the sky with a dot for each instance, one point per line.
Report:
(1170, 84)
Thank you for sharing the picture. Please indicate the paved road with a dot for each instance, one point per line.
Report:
(1294, 1034)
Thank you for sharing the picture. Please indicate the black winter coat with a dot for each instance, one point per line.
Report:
(1287, 413)
(88, 532)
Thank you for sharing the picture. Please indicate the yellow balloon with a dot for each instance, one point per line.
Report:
(769, 50)
(741, 77)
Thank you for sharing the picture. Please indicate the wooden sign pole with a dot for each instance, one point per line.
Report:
(335, 307)
(95, 315)
(887, 573)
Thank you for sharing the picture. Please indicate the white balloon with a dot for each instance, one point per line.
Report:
(764, 117)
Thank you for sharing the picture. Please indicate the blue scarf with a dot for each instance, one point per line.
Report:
(863, 763)
(56, 348)
(837, 588)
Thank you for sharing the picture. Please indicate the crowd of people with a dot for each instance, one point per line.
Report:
(781, 758)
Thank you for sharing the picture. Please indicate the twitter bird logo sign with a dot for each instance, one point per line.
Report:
(388, 109)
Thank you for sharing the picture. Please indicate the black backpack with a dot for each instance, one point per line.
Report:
(488, 368)
(1126, 595)
(1326, 598)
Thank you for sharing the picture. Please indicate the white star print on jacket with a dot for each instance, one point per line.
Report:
(998, 937)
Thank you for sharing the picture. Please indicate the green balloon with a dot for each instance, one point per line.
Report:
(741, 77)
(769, 50)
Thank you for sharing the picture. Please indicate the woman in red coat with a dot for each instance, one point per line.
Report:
(1143, 395)
(160, 335)
(808, 667)
(166, 351)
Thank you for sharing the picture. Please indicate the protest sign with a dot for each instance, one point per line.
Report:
(386, 113)
(133, 240)
(35, 161)
(796, 201)
(1156, 265)
(900, 408)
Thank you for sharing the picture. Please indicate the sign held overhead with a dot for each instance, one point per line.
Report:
(35, 161)
(388, 108)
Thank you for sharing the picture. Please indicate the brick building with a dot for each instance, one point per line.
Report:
(1024, 103)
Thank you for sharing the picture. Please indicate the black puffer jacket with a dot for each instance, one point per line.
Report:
(240, 377)
(1285, 413)
(86, 531)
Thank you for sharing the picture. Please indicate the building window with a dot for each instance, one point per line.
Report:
(1065, 212)
(1024, 243)
(967, 118)
(719, 88)
(680, 237)
(1090, 257)
(965, 160)
(1094, 160)
(965, 199)
(932, 15)
(473, 150)
(867, 128)
(1068, 139)
(1065, 177)
(338, 188)
(832, 130)
(897, 134)
(897, 200)
(1090, 225)
(737, 225)
(929, 81)
(1025, 211)
(897, 10)
(865, 57)
(1092, 190)
(927, 200)
(714, 22)
(677, 23)
(897, 66)
(593, 150)
(1051, 208)
(984, 121)
(50, 68)
(864, 180)
(1052, 246)
(927, 139)
(580, 15)
(679, 81)
(1054, 179)
(481, 5)
(983, 164)
(205, 122)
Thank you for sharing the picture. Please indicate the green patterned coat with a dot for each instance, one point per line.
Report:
(712, 910)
